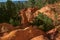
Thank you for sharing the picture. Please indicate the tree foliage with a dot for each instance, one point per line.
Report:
(9, 11)
(51, 1)
(31, 3)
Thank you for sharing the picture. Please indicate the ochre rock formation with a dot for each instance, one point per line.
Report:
(23, 15)
(57, 37)
(52, 11)
(41, 37)
(47, 11)
(27, 14)
(5, 28)
(23, 34)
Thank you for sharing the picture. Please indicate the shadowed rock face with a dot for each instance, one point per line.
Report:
(23, 34)
(54, 34)
(57, 36)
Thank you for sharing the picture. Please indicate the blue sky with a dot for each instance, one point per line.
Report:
(12, 0)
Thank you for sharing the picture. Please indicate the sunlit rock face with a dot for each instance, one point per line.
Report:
(5, 28)
(23, 34)
(27, 15)
(23, 15)
(41, 37)
(57, 12)
(47, 11)
(52, 11)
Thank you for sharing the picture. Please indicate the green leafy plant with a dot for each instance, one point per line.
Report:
(43, 20)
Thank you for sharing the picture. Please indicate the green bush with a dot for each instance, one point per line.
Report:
(44, 22)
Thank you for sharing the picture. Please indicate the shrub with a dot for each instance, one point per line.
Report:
(43, 20)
